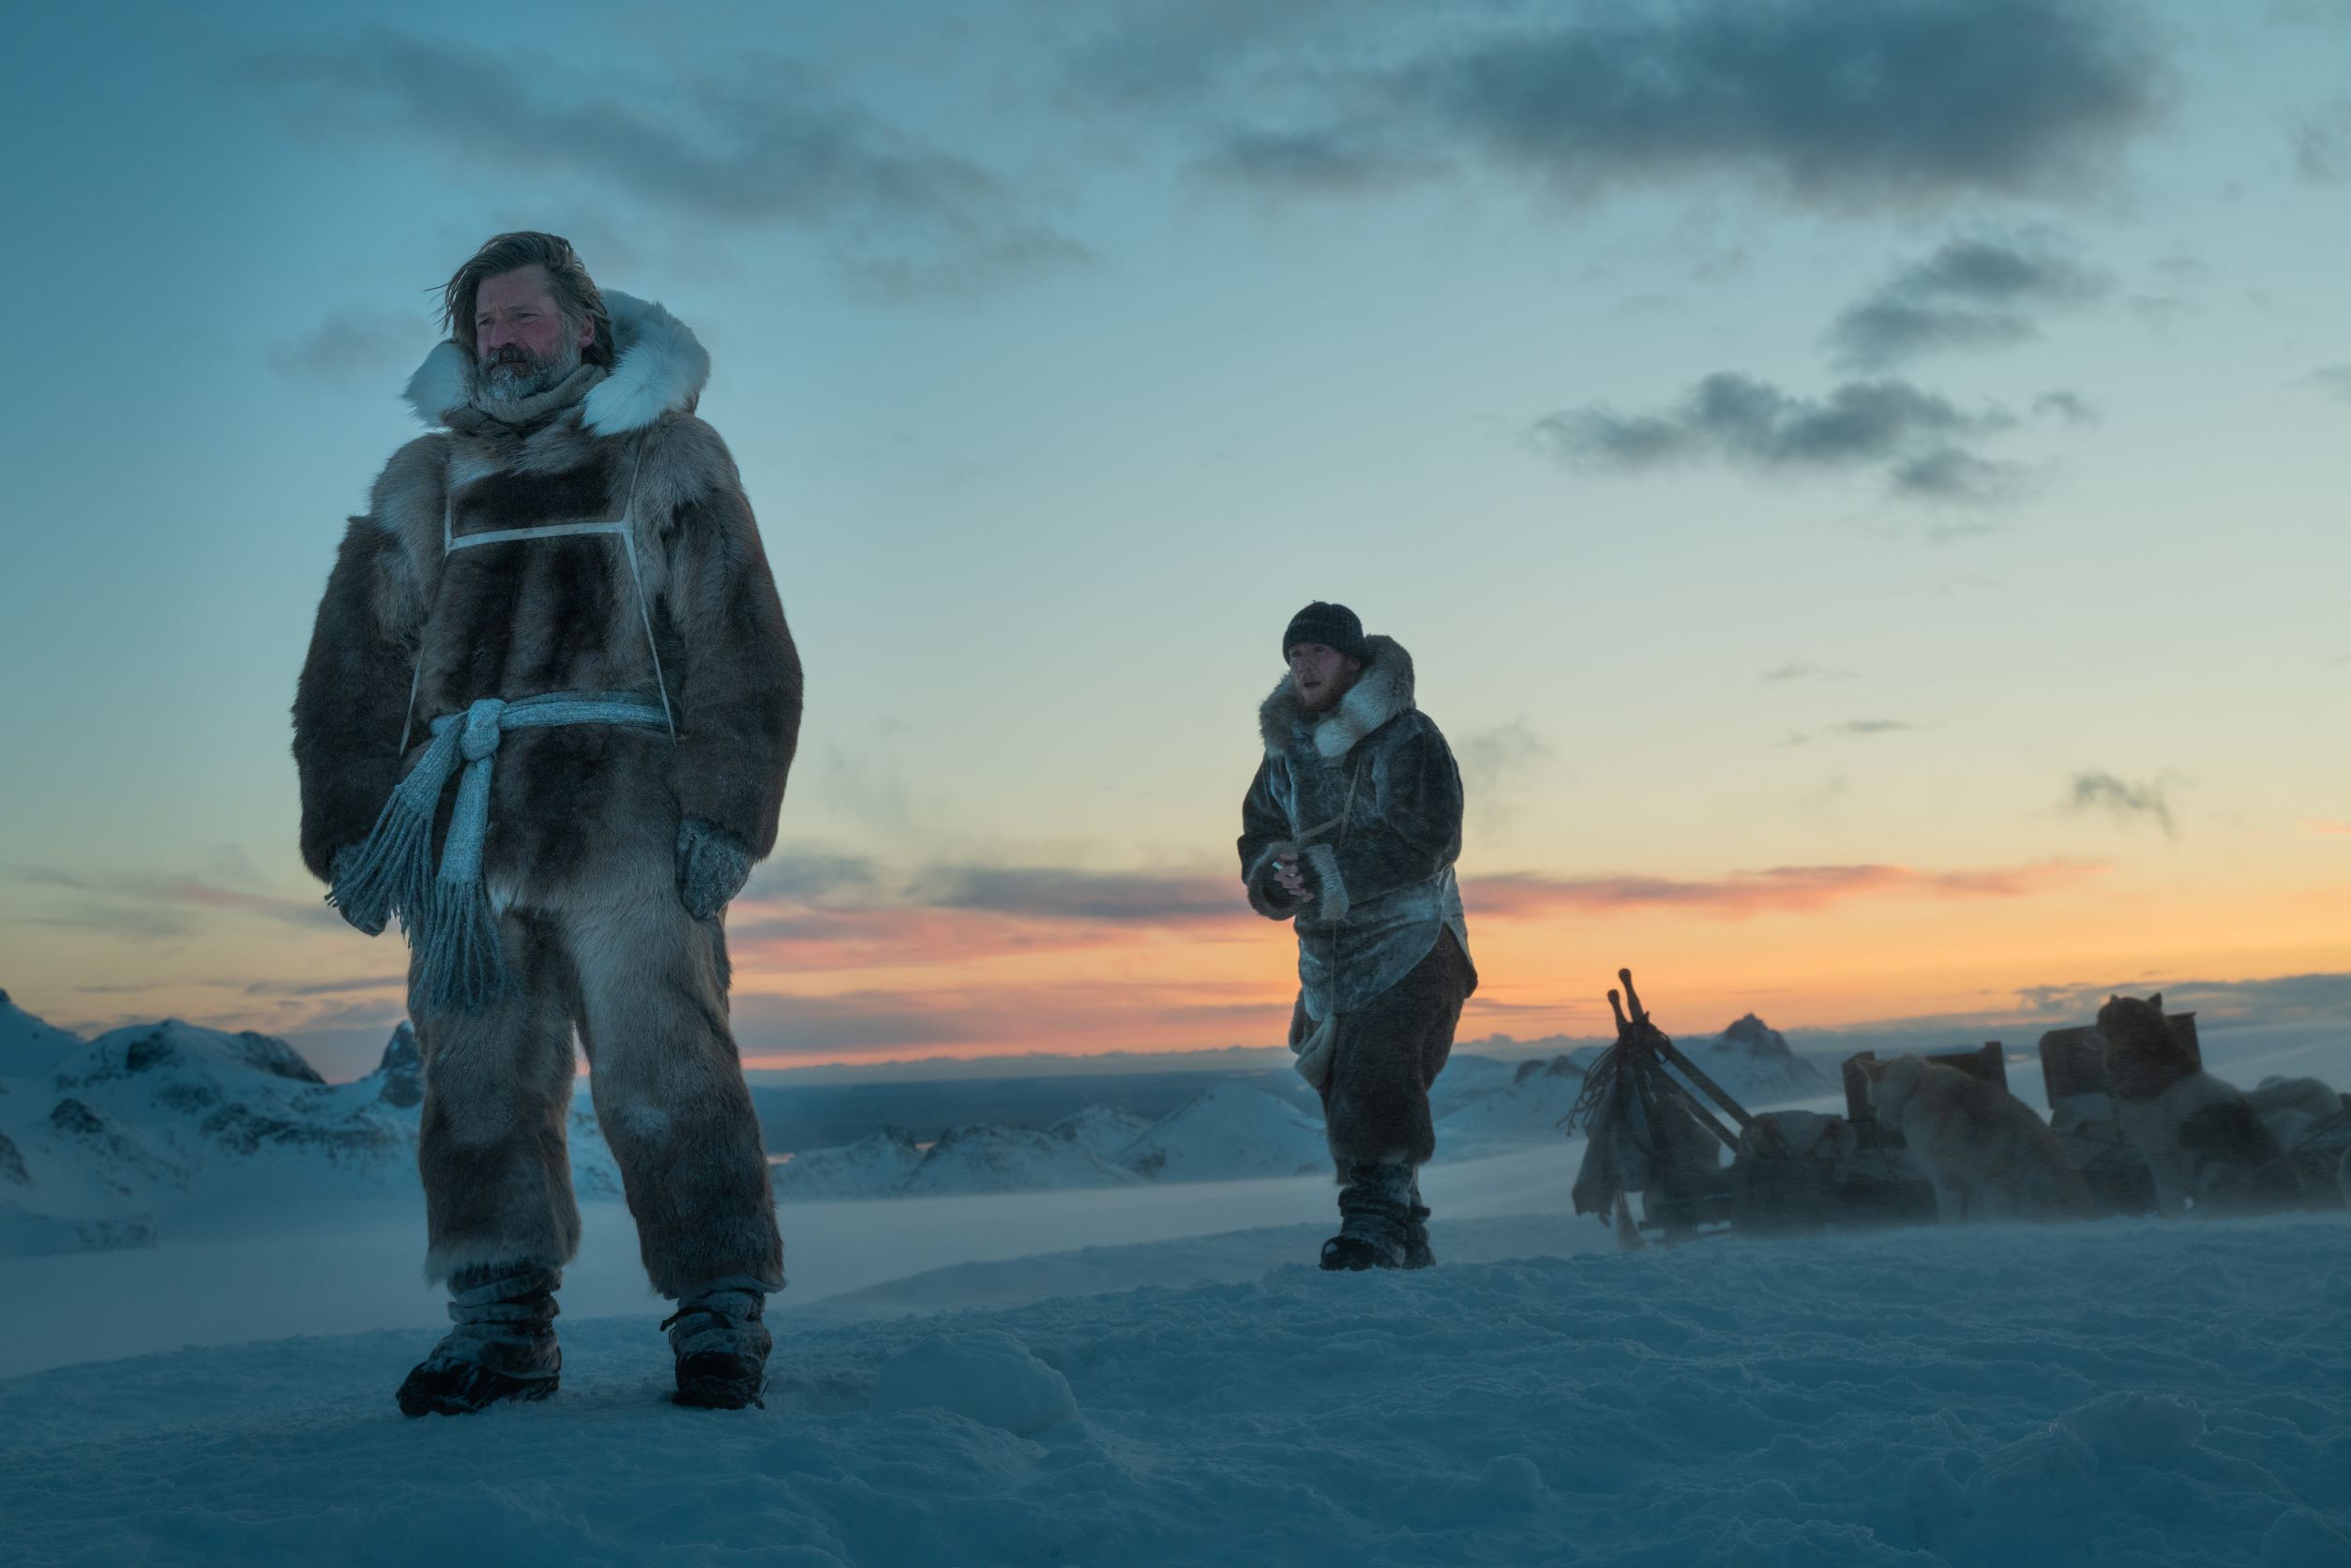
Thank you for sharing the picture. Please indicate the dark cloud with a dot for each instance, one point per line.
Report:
(1840, 103)
(760, 142)
(1178, 53)
(1332, 161)
(1973, 293)
(1960, 478)
(814, 876)
(358, 346)
(2124, 801)
(1909, 435)
(1058, 894)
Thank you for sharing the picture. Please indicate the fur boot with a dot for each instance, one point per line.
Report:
(1416, 1249)
(502, 1347)
(1375, 1219)
(721, 1344)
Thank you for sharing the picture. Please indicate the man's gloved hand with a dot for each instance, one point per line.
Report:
(335, 869)
(1274, 885)
(712, 865)
(1295, 880)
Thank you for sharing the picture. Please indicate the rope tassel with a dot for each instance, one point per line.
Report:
(392, 873)
(446, 915)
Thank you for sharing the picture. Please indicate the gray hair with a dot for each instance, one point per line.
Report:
(575, 292)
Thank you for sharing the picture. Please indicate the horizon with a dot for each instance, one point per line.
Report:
(1875, 567)
(2220, 1010)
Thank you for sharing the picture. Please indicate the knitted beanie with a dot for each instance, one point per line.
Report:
(1333, 626)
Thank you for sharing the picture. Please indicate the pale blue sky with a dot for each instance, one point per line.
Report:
(1067, 350)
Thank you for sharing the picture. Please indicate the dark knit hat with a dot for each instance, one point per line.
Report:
(1333, 626)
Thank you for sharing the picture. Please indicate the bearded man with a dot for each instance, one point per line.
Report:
(1350, 832)
(558, 603)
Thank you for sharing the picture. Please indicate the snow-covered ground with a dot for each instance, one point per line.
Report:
(1152, 1372)
(2128, 1392)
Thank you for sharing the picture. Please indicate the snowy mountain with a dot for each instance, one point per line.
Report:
(1100, 1130)
(1010, 1159)
(1751, 1059)
(104, 1141)
(1231, 1133)
(1527, 1111)
(876, 1164)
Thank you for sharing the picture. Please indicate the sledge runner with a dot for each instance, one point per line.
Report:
(545, 721)
(1350, 832)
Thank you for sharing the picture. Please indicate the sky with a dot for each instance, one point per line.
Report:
(1859, 479)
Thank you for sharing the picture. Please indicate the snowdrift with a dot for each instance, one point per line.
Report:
(2127, 1392)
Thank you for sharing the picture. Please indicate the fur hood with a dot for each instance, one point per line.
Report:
(658, 366)
(1383, 690)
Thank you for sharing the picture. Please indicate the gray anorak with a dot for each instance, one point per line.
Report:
(1368, 796)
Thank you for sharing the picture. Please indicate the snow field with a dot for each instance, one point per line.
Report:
(2126, 1393)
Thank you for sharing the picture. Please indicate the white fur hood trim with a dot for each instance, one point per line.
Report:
(658, 366)
(1383, 690)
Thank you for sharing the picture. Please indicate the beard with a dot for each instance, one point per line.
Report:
(512, 373)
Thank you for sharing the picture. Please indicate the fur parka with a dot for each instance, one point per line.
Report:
(408, 632)
(1369, 797)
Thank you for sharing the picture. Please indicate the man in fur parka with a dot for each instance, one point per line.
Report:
(545, 722)
(1350, 832)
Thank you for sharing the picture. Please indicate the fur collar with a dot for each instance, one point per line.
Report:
(658, 366)
(1383, 690)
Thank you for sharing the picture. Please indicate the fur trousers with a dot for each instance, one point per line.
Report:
(1375, 1102)
(645, 986)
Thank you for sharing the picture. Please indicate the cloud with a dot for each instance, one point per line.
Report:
(2283, 998)
(2326, 828)
(1843, 104)
(757, 142)
(2322, 143)
(350, 347)
(814, 875)
(2126, 802)
(1331, 160)
(843, 912)
(1780, 890)
(1853, 729)
(2335, 378)
(1909, 435)
(1787, 674)
(1972, 293)
(882, 1023)
(165, 906)
(1056, 894)
(1959, 476)
(2072, 407)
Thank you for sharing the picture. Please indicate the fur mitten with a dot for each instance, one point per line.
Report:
(712, 865)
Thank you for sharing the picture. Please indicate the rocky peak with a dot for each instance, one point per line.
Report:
(1754, 1038)
(402, 1069)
